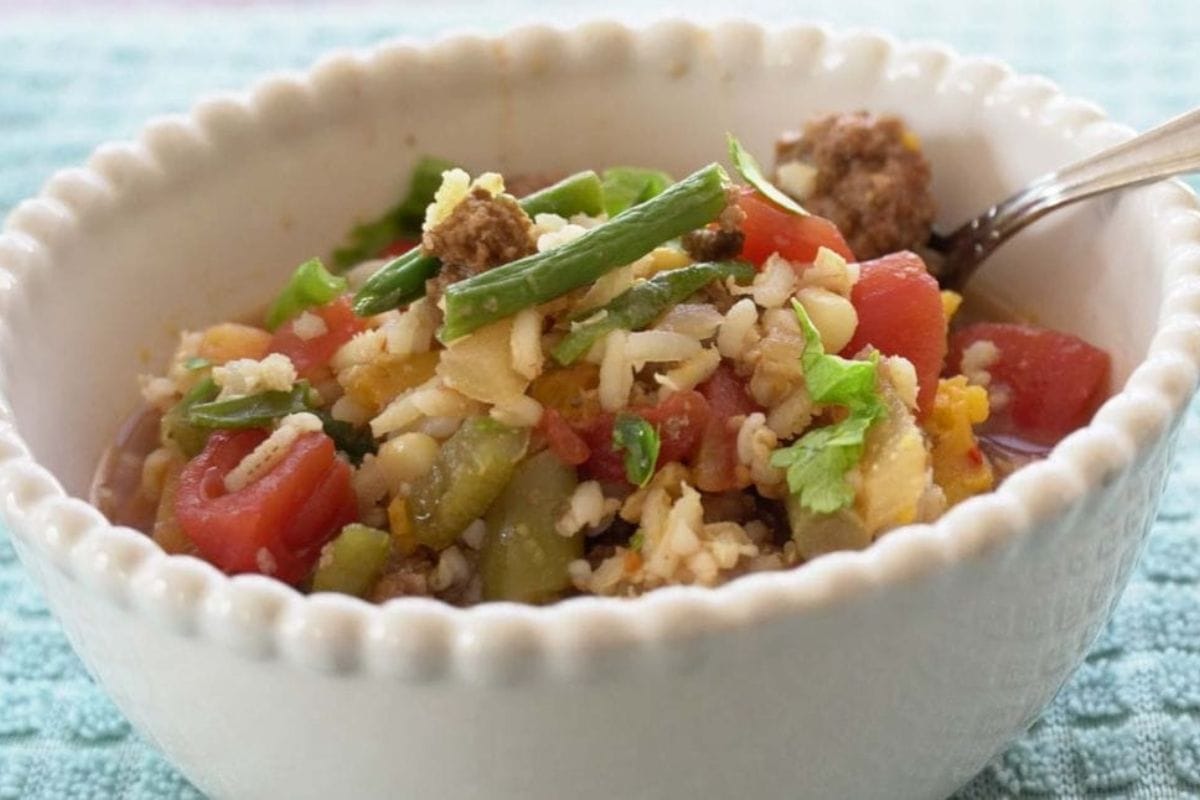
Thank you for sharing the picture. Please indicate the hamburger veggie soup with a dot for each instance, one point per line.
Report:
(528, 387)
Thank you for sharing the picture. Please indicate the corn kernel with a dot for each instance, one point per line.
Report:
(951, 301)
(406, 458)
(832, 315)
(401, 527)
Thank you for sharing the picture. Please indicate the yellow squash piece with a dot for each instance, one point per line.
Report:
(959, 466)
(571, 391)
(377, 383)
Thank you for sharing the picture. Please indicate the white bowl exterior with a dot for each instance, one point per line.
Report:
(895, 672)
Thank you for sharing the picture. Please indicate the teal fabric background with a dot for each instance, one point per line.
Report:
(1127, 724)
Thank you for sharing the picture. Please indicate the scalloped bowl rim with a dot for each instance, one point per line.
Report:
(339, 633)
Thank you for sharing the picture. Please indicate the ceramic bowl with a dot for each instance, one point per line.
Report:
(896, 672)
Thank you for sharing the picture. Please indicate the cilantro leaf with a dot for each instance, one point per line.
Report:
(625, 187)
(640, 442)
(369, 239)
(816, 464)
(748, 167)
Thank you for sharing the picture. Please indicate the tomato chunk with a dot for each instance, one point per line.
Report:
(716, 462)
(310, 356)
(1054, 381)
(276, 525)
(900, 313)
(769, 229)
(680, 420)
(565, 443)
(399, 247)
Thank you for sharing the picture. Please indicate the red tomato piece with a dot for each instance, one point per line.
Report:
(680, 420)
(1055, 381)
(715, 466)
(399, 247)
(565, 443)
(278, 524)
(900, 313)
(769, 229)
(309, 356)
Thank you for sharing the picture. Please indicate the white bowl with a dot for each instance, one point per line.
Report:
(895, 672)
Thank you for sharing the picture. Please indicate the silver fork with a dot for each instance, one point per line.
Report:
(1172, 148)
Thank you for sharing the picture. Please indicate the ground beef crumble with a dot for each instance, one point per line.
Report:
(872, 180)
(712, 244)
(481, 232)
(721, 241)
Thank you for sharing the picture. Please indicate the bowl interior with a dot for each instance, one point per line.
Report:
(210, 221)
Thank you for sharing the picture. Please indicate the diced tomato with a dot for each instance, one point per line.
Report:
(309, 356)
(565, 443)
(769, 229)
(680, 420)
(900, 313)
(278, 524)
(715, 465)
(1054, 381)
(399, 247)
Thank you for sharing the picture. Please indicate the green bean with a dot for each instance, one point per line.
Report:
(175, 423)
(693, 202)
(524, 558)
(251, 411)
(580, 193)
(402, 280)
(354, 561)
(470, 471)
(644, 302)
(310, 285)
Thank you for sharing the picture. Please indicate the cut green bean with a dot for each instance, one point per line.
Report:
(251, 411)
(580, 193)
(402, 280)
(397, 282)
(644, 302)
(692, 203)
(310, 285)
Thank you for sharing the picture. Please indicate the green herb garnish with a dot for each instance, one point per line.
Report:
(196, 362)
(354, 441)
(177, 425)
(818, 461)
(404, 219)
(625, 187)
(752, 173)
(640, 442)
(252, 411)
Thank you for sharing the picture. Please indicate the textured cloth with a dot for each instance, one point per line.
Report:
(1126, 725)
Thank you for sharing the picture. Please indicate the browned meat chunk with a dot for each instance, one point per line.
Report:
(712, 244)
(481, 232)
(872, 180)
